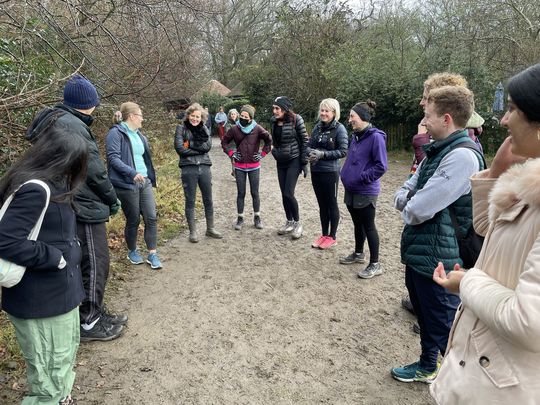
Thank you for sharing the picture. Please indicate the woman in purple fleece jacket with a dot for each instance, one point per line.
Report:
(365, 164)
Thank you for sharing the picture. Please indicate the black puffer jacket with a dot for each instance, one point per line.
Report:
(293, 140)
(96, 195)
(193, 146)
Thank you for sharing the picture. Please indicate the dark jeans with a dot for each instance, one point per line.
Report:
(135, 203)
(435, 308)
(192, 176)
(241, 179)
(364, 227)
(94, 268)
(287, 177)
(325, 185)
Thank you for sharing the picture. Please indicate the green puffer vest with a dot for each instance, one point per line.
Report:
(433, 241)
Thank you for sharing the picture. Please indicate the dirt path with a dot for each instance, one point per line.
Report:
(256, 318)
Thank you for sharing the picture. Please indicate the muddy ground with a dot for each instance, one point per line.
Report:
(256, 318)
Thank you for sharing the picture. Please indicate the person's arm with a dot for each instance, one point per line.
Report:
(97, 178)
(449, 182)
(226, 143)
(380, 161)
(182, 144)
(267, 139)
(113, 143)
(512, 314)
(303, 139)
(15, 226)
(406, 191)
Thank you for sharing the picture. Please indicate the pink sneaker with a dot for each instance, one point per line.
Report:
(318, 242)
(327, 243)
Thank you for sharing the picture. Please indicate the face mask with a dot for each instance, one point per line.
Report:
(244, 122)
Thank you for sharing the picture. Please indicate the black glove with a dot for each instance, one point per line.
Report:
(237, 156)
(115, 207)
(304, 170)
(257, 157)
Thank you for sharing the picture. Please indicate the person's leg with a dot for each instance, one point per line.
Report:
(318, 183)
(205, 184)
(333, 208)
(130, 200)
(189, 179)
(49, 347)
(94, 268)
(367, 216)
(282, 177)
(240, 191)
(291, 178)
(147, 203)
(254, 176)
(359, 235)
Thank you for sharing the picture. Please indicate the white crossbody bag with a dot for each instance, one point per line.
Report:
(11, 273)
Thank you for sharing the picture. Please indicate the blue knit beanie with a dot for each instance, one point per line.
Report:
(80, 93)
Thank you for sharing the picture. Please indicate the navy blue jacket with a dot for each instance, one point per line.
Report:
(120, 162)
(45, 290)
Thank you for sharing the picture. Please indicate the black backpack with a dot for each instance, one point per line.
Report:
(470, 243)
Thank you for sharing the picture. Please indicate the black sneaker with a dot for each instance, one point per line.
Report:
(101, 332)
(353, 258)
(114, 319)
(257, 222)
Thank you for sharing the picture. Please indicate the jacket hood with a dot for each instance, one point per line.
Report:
(43, 120)
(519, 183)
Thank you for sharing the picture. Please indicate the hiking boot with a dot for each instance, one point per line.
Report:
(101, 331)
(407, 304)
(297, 230)
(239, 223)
(413, 372)
(134, 257)
(353, 258)
(287, 228)
(372, 269)
(257, 222)
(318, 241)
(328, 242)
(153, 261)
(212, 233)
(113, 319)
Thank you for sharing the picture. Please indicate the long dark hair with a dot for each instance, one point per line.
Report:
(58, 157)
(524, 89)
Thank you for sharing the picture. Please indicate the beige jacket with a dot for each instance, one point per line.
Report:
(493, 353)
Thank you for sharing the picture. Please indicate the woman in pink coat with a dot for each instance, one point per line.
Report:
(493, 354)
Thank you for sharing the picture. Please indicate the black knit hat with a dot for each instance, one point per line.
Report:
(283, 102)
(80, 93)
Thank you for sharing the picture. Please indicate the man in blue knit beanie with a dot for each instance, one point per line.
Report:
(95, 201)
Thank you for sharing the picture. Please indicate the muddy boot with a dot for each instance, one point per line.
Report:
(190, 216)
(210, 231)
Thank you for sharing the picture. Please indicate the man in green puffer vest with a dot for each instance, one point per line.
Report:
(429, 237)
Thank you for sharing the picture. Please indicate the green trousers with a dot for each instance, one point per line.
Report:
(49, 346)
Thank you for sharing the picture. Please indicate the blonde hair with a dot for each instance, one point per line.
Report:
(333, 105)
(444, 79)
(196, 107)
(125, 109)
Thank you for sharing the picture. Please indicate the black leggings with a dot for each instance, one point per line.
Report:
(364, 226)
(325, 185)
(241, 179)
(288, 176)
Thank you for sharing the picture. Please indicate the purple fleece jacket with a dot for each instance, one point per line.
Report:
(366, 162)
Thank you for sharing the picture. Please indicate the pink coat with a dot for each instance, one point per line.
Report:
(493, 353)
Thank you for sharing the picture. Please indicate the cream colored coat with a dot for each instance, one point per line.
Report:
(493, 353)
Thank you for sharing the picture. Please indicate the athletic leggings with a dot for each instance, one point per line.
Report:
(325, 185)
(241, 179)
(288, 176)
(364, 227)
